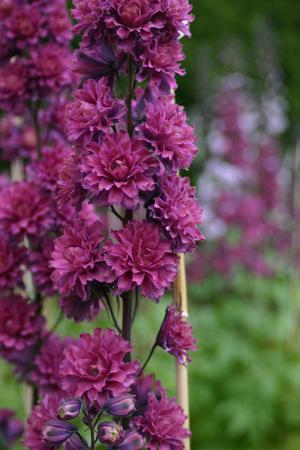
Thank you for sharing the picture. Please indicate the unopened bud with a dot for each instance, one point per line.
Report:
(56, 431)
(109, 432)
(76, 442)
(69, 408)
(131, 441)
(121, 406)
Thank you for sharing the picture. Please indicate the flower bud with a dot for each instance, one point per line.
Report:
(131, 441)
(76, 442)
(56, 431)
(120, 406)
(109, 432)
(69, 408)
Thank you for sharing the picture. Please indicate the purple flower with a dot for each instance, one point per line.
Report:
(60, 25)
(78, 309)
(162, 424)
(24, 211)
(118, 169)
(50, 68)
(76, 442)
(77, 259)
(140, 258)
(178, 211)
(134, 16)
(70, 190)
(55, 432)
(160, 61)
(93, 111)
(120, 406)
(40, 415)
(176, 335)
(46, 365)
(131, 441)
(142, 388)
(109, 432)
(69, 408)
(89, 15)
(20, 324)
(10, 428)
(11, 259)
(177, 15)
(93, 367)
(168, 132)
(44, 172)
(25, 26)
(13, 84)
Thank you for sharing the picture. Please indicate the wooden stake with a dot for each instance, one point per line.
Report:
(180, 299)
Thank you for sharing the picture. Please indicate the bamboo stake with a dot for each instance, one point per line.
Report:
(180, 299)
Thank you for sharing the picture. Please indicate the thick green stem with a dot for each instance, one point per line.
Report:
(127, 318)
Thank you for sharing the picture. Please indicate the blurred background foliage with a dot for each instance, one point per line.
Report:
(245, 377)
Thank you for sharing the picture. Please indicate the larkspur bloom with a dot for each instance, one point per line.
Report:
(20, 324)
(167, 131)
(24, 211)
(141, 258)
(40, 415)
(162, 424)
(178, 211)
(94, 368)
(45, 373)
(76, 308)
(176, 335)
(13, 84)
(77, 259)
(118, 169)
(25, 26)
(93, 111)
(70, 190)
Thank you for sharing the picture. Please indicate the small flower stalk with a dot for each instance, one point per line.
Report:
(100, 216)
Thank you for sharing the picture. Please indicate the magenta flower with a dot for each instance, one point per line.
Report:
(20, 324)
(50, 68)
(178, 211)
(40, 415)
(93, 111)
(70, 190)
(25, 26)
(93, 367)
(176, 335)
(13, 84)
(59, 24)
(140, 258)
(78, 309)
(77, 259)
(89, 15)
(161, 62)
(139, 16)
(45, 374)
(168, 132)
(11, 428)
(162, 424)
(11, 259)
(44, 172)
(24, 211)
(178, 16)
(118, 170)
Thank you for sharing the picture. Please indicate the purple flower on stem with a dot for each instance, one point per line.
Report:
(120, 406)
(13, 84)
(55, 432)
(118, 169)
(176, 335)
(70, 190)
(40, 415)
(93, 367)
(20, 324)
(76, 308)
(94, 110)
(25, 26)
(140, 258)
(69, 408)
(178, 211)
(77, 259)
(162, 424)
(109, 432)
(10, 428)
(131, 441)
(178, 16)
(24, 211)
(169, 134)
(11, 259)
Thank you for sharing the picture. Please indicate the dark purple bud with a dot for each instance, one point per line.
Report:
(56, 431)
(131, 441)
(76, 442)
(109, 432)
(120, 406)
(69, 408)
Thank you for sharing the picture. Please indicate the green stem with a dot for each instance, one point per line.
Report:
(148, 358)
(126, 323)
